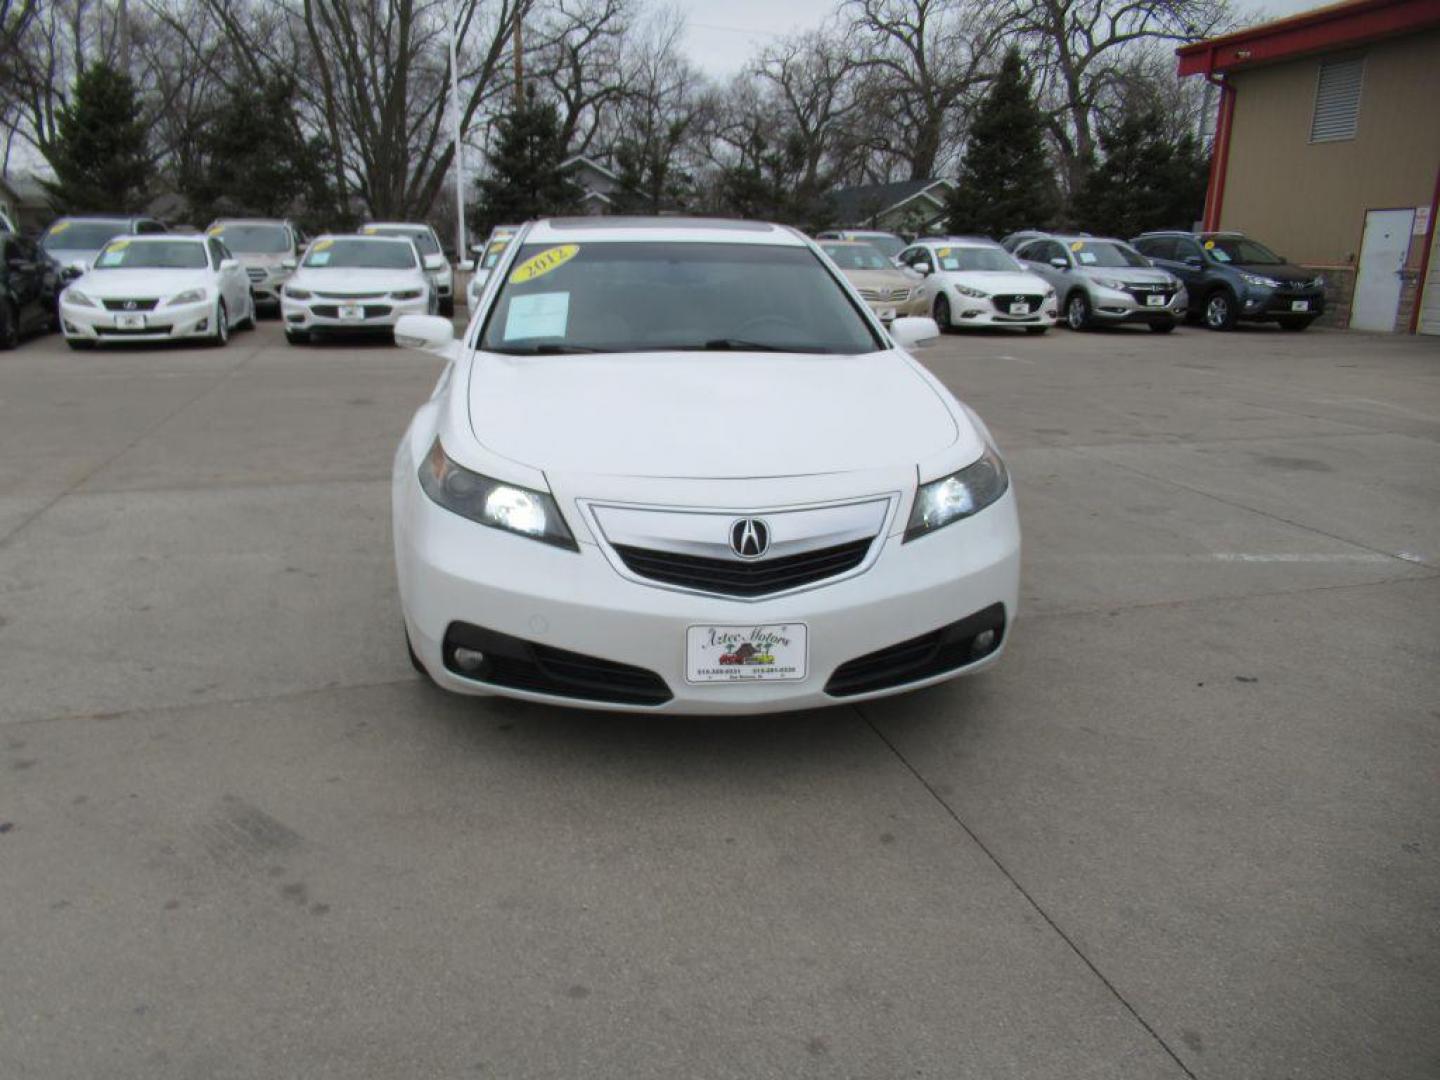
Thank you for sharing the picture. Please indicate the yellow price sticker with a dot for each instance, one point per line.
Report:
(1078, 245)
(369, 230)
(215, 230)
(118, 245)
(1209, 245)
(942, 252)
(542, 264)
(321, 245)
(59, 227)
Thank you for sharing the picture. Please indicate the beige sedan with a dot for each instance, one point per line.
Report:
(888, 291)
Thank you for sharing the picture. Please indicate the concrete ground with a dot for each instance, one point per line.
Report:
(1189, 827)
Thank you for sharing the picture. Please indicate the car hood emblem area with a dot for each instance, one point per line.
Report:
(750, 538)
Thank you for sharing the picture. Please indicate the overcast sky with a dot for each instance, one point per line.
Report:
(720, 36)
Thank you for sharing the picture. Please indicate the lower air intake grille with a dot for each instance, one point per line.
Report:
(731, 577)
(935, 653)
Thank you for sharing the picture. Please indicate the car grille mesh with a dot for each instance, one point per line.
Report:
(332, 311)
(256, 273)
(885, 295)
(732, 577)
(130, 305)
(1003, 301)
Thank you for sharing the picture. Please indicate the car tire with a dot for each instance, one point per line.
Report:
(1221, 311)
(1036, 330)
(942, 314)
(1295, 325)
(297, 337)
(1077, 311)
(1162, 327)
(9, 327)
(447, 307)
(221, 336)
(79, 344)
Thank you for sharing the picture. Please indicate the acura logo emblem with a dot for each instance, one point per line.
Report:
(750, 538)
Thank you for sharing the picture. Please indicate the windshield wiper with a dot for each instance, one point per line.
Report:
(741, 345)
(550, 349)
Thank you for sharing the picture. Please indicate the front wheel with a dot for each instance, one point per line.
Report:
(942, 313)
(1162, 327)
(1077, 311)
(221, 335)
(1220, 311)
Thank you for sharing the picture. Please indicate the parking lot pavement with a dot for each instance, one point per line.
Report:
(1188, 827)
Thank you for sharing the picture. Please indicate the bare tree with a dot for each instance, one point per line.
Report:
(580, 56)
(812, 79)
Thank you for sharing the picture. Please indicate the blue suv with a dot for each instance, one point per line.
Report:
(1230, 277)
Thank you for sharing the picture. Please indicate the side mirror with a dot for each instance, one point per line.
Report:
(913, 331)
(434, 262)
(288, 264)
(465, 265)
(1194, 260)
(924, 269)
(1059, 263)
(76, 268)
(427, 333)
(229, 264)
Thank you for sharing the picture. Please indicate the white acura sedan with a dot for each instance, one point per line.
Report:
(157, 288)
(677, 465)
(354, 283)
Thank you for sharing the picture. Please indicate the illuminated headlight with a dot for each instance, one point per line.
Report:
(191, 296)
(1259, 280)
(1109, 283)
(489, 502)
(966, 290)
(78, 298)
(958, 496)
(407, 294)
(292, 293)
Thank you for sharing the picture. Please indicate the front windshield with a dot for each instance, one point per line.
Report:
(493, 251)
(887, 245)
(970, 259)
(1246, 252)
(422, 237)
(1106, 253)
(856, 257)
(640, 297)
(128, 254)
(70, 235)
(247, 239)
(356, 253)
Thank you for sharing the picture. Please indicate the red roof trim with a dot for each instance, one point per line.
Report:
(1334, 27)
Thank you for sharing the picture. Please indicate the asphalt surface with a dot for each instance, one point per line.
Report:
(1189, 827)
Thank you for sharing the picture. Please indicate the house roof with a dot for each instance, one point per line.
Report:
(580, 161)
(1336, 26)
(855, 205)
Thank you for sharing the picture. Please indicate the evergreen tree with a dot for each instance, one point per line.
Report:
(1145, 179)
(1005, 182)
(99, 155)
(527, 178)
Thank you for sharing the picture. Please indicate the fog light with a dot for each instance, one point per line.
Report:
(203, 324)
(983, 644)
(469, 660)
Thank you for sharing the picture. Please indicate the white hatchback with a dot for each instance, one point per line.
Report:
(969, 282)
(677, 465)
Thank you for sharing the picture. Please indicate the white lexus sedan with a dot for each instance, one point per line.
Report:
(157, 288)
(969, 282)
(354, 283)
(678, 466)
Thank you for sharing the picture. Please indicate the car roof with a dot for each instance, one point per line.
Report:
(1070, 238)
(618, 229)
(834, 242)
(97, 217)
(169, 237)
(960, 241)
(248, 221)
(417, 225)
(362, 236)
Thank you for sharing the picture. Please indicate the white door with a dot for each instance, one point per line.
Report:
(1430, 298)
(1382, 256)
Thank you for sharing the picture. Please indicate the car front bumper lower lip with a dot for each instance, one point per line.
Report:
(161, 324)
(300, 314)
(449, 573)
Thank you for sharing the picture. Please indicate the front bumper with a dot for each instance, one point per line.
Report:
(977, 311)
(456, 575)
(80, 323)
(1264, 305)
(884, 309)
(323, 313)
(1119, 306)
(266, 290)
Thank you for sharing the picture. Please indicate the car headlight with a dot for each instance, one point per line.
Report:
(1259, 280)
(1319, 282)
(407, 294)
(1109, 283)
(489, 502)
(79, 299)
(959, 495)
(292, 293)
(190, 296)
(965, 290)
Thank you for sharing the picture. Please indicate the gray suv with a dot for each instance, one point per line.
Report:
(1101, 282)
(267, 248)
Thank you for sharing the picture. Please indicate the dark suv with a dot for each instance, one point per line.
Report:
(28, 284)
(1230, 277)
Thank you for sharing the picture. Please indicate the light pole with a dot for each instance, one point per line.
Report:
(461, 248)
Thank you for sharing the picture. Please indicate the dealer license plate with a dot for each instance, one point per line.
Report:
(745, 653)
(1299, 305)
(1154, 300)
(129, 322)
(1019, 309)
(352, 312)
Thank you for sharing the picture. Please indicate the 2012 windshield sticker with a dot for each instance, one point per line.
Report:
(540, 265)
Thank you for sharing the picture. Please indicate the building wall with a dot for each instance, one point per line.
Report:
(1308, 201)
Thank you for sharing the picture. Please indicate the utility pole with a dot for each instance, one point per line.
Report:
(461, 247)
(519, 49)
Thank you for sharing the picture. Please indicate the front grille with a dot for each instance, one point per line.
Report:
(947, 649)
(1141, 292)
(1002, 303)
(732, 577)
(256, 273)
(350, 295)
(542, 669)
(130, 305)
(885, 296)
(111, 331)
(332, 311)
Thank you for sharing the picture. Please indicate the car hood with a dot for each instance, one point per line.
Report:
(1285, 272)
(1149, 275)
(319, 279)
(140, 283)
(262, 260)
(877, 279)
(712, 415)
(997, 282)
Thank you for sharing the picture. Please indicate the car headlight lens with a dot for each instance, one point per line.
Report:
(966, 290)
(1259, 280)
(190, 296)
(959, 495)
(406, 294)
(79, 299)
(1319, 282)
(489, 502)
(1110, 283)
(292, 293)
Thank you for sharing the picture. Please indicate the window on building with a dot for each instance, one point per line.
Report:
(1337, 99)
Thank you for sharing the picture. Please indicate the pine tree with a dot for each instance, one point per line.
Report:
(527, 178)
(1144, 179)
(1006, 181)
(99, 155)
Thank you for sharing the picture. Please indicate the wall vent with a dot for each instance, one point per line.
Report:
(1337, 100)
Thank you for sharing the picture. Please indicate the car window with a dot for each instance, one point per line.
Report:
(889, 246)
(1105, 253)
(971, 259)
(663, 296)
(253, 238)
(856, 257)
(1234, 249)
(123, 253)
(1186, 249)
(423, 238)
(149, 227)
(1156, 247)
(358, 253)
(68, 234)
(493, 251)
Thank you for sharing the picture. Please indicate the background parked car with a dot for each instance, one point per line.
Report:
(437, 266)
(968, 282)
(28, 284)
(355, 283)
(1103, 281)
(487, 255)
(887, 291)
(75, 241)
(267, 248)
(1230, 277)
(887, 243)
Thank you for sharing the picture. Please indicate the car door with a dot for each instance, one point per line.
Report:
(24, 274)
(233, 282)
(1189, 266)
(1036, 256)
(912, 256)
